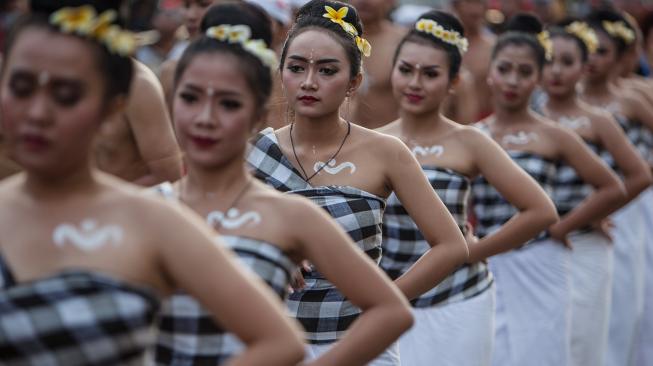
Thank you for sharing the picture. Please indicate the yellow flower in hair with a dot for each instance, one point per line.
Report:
(218, 32)
(120, 42)
(545, 40)
(258, 48)
(364, 46)
(103, 23)
(619, 29)
(239, 33)
(433, 28)
(585, 34)
(78, 20)
(336, 16)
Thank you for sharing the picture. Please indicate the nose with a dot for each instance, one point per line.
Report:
(205, 118)
(310, 82)
(415, 81)
(512, 78)
(38, 111)
(556, 68)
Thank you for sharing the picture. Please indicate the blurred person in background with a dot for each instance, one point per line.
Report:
(166, 21)
(374, 105)
(477, 59)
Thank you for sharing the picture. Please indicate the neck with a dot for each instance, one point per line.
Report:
(511, 116)
(317, 130)
(414, 125)
(47, 187)
(374, 27)
(473, 32)
(562, 102)
(201, 182)
(596, 87)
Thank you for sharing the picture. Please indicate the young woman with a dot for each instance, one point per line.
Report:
(630, 233)
(346, 169)
(592, 257)
(533, 293)
(85, 257)
(455, 320)
(220, 100)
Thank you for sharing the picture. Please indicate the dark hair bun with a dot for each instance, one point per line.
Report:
(599, 15)
(48, 7)
(316, 9)
(526, 23)
(240, 13)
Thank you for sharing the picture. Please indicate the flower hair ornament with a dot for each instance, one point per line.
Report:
(241, 34)
(585, 34)
(620, 30)
(452, 37)
(545, 41)
(84, 21)
(338, 17)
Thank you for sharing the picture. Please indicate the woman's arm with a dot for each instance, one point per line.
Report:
(386, 314)
(536, 211)
(637, 175)
(609, 194)
(448, 248)
(195, 262)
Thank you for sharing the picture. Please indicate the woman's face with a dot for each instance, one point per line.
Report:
(604, 60)
(420, 78)
(51, 100)
(565, 69)
(194, 11)
(214, 111)
(513, 76)
(316, 74)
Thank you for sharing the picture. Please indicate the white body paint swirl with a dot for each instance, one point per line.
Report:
(575, 123)
(233, 219)
(436, 150)
(332, 169)
(520, 138)
(89, 236)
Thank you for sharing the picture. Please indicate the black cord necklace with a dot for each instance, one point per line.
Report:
(317, 171)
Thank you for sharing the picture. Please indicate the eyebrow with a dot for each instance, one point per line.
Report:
(221, 92)
(320, 61)
(55, 80)
(423, 67)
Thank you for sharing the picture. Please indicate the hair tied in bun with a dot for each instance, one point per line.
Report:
(436, 30)
(338, 17)
(84, 21)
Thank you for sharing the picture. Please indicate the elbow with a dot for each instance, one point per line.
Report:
(548, 215)
(295, 350)
(403, 316)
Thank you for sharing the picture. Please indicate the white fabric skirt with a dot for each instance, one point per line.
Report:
(644, 346)
(533, 305)
(627, 284)
(389, 357)
(455, 334)
(591, 294)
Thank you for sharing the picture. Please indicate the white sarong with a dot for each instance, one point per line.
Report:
(627, 284)
(456, 334)
(533, 305)
(591, 294)
(644, 345)
(389, 357)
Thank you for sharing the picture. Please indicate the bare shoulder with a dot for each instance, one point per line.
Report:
(599, 117)
(376, 141)
(391, 128)
(555, 131)
(470, 136)
(144, 82)
(10, 188)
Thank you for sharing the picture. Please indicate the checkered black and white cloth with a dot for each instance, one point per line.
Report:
(492, 210)
(74, 318)
(189, 335)
(404, 244)
(569, 189)
(323, 311)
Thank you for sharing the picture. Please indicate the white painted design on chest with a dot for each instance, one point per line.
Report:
(334, 169)
(436, 150)
(233, 219)
(519, 138)
(575, 123)
(89, 236)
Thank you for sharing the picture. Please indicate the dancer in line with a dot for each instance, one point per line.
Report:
(223, 86)
(85, 257)
(454, 322)
(592, 255)
(346, 169)
(533, 283)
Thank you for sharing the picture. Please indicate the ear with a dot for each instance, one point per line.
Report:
(354, 84)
